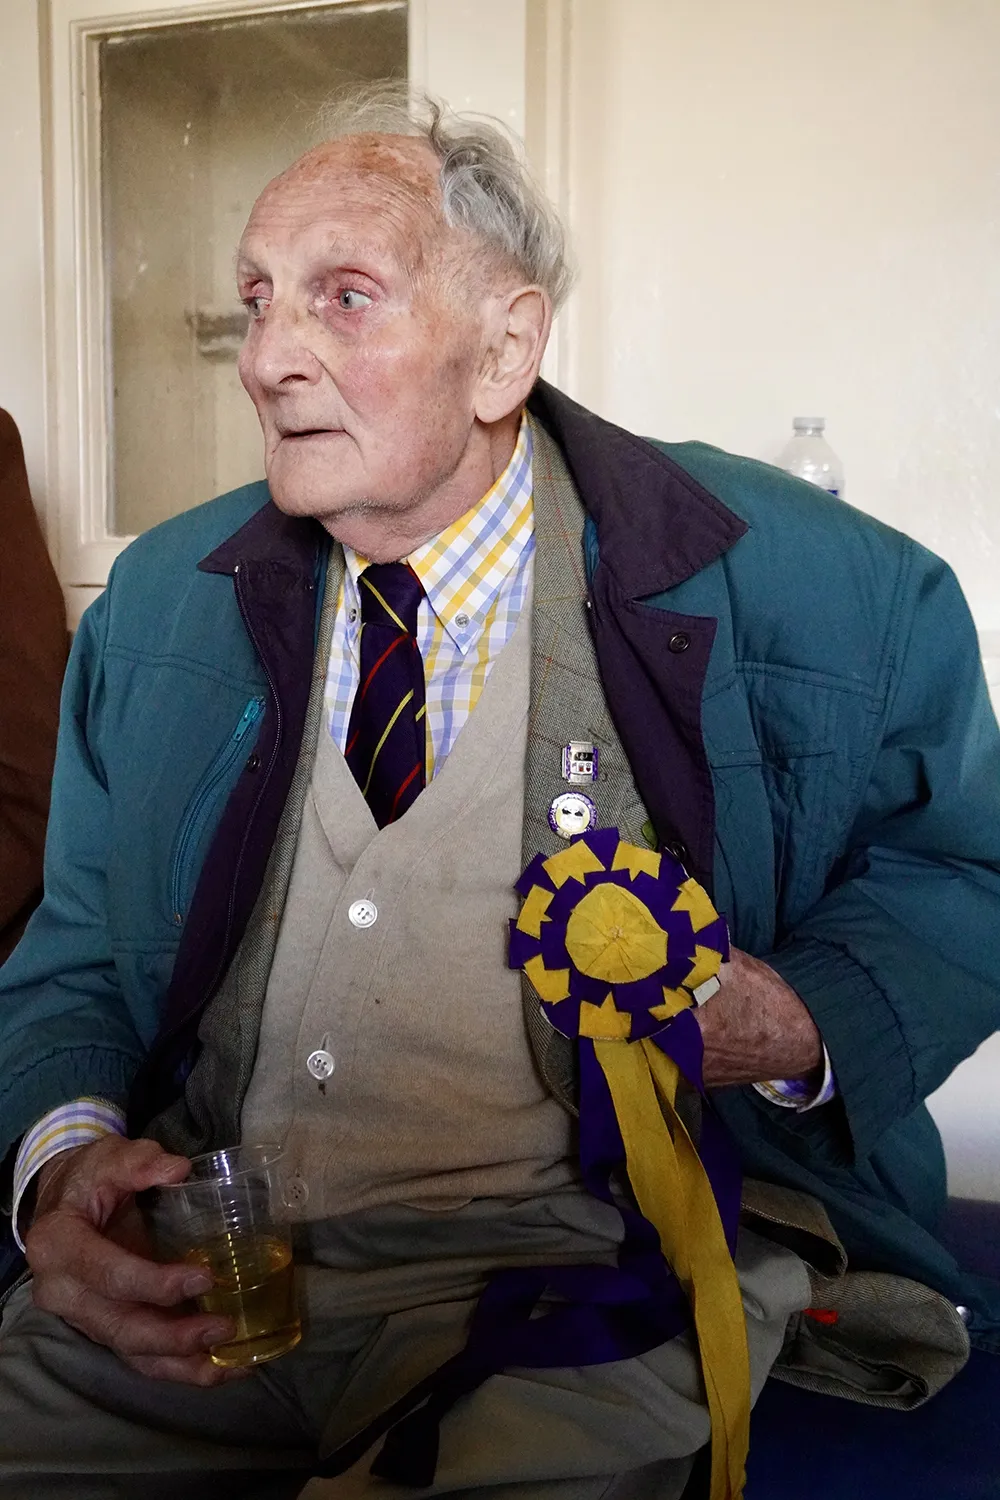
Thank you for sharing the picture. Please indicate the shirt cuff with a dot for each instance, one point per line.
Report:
(75, 1124)
(795, 1093)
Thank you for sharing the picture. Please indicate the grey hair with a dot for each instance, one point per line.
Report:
(487, 188)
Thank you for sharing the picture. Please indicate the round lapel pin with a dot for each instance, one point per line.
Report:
(572, 813)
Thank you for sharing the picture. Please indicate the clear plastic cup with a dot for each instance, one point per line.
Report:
(226, 1217)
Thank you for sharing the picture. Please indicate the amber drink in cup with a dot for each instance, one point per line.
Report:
(226, 1217)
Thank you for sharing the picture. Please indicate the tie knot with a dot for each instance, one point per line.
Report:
(390, 595)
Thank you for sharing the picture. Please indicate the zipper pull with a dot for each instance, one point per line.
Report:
(251, 714)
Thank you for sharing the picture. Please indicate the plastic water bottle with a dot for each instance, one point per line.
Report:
(809, 456)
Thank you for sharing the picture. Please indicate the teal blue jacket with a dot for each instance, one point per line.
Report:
(854, 835)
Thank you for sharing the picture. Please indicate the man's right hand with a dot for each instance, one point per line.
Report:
(90, 1255)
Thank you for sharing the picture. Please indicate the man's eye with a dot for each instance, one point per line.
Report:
(256, 306)
(351, 300)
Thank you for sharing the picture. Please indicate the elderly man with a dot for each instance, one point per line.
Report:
(312, 735)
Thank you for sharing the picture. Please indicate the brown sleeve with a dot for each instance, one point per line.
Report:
(32, 659)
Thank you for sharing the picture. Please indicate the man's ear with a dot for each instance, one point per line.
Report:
(518, 331)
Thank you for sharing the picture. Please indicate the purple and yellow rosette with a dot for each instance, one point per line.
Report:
(614, 939)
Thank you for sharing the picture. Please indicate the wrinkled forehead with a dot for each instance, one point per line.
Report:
(383, 185)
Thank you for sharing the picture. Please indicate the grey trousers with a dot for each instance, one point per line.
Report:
(76, 1422)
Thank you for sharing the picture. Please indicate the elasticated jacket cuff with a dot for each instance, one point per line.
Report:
(861, 1032)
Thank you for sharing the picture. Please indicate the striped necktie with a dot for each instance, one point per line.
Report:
(386, 735)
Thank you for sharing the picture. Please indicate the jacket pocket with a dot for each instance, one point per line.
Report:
(796, 1220)
(879, 1339)
(190, 832)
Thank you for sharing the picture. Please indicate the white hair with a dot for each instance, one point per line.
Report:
(486, 185)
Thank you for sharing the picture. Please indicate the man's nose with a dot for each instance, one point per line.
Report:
(277, 351)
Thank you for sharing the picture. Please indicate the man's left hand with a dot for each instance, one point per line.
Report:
(756, 1028)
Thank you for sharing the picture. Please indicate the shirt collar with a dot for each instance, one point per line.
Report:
(463, 568)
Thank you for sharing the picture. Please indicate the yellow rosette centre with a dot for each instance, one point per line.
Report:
(613, 936)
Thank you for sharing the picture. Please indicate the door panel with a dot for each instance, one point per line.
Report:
(195, 119)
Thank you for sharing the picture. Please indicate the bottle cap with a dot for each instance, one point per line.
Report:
(808, 424)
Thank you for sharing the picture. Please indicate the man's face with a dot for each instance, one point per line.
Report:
(361, 359)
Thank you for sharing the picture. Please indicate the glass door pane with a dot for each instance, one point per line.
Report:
(195, 119)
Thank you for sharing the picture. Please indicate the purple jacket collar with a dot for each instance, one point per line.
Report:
(655, 524)
(270, 536)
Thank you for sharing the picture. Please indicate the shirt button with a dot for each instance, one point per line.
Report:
(352, 615)
(678, 850)
(295, 1191)
(679, 642)
(362, 913)
(462, 621)
(320, 1063)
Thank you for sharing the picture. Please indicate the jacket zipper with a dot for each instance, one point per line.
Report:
(194, 822)
(278, 729)
(279, 726)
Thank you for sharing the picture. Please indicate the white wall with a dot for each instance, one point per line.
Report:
(968, 1116)
(791, 206)
(788, 207)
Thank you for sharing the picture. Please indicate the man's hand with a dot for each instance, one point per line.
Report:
(756, 1028)
(89, 1253)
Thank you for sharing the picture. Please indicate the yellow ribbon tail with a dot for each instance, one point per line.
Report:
(673, 1192)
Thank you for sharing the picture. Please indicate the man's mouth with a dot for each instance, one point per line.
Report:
(311, 432)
